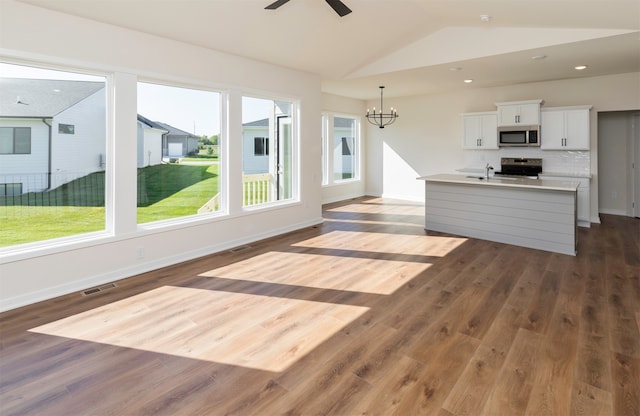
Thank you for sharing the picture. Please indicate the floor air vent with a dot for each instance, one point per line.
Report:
(239, 249)
(102, 288)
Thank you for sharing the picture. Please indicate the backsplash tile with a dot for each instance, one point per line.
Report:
(556, 161)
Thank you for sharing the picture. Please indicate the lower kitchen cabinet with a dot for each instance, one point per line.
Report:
(583, 198)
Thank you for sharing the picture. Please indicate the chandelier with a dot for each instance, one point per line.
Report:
(380, 118)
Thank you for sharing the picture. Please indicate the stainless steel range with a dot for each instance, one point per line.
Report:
(520, 166)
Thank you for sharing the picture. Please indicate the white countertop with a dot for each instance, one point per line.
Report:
(542, 184)
(565, 175)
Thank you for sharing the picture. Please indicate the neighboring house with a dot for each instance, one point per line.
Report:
(150, 139)
(177, 143)
(255, 147)
(51, 132)
(54, 131)
(343, 148)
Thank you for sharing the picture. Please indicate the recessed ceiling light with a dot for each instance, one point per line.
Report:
(580, 67)
(538, 57)
(468, 81)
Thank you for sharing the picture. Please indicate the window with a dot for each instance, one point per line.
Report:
(261, 146)
(340, 135)
(267, 179)
(10, 189)
(15, 140)
(56, 188)
(66, 128)
(178, 168)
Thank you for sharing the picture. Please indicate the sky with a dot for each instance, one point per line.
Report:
(191, 110)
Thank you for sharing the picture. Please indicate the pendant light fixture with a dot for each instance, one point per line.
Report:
(381, 118)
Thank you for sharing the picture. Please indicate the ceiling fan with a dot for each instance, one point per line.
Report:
(337, 5)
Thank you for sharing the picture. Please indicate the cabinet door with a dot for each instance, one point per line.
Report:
(577, 130)
(472, 131)
(489, 131)
(519, 114)
(508, 115)
(480, 131)
(552, 130)
(529, 114)
(565, 130)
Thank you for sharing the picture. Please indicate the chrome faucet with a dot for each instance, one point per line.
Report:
(487, 169)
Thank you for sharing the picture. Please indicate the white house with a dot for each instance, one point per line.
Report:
(51, 132)
(255, 147)
(150, 139)
(177, 143)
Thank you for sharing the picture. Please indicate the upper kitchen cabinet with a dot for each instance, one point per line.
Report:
(565, 128)
(525, 113)
(480, 130)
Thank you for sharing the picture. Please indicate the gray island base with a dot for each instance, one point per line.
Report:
(533, 213)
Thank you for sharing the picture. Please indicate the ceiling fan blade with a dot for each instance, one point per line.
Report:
(276, 4)
(339, 7)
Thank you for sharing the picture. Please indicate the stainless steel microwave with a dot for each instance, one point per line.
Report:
(519, 136)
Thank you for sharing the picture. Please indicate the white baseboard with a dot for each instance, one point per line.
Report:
(112, 276)
(342, 198)
(404, 197)
(614, 212)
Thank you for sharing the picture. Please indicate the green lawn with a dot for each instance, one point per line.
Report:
(164, 191)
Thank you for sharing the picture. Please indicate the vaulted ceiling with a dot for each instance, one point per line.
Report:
(411, 46)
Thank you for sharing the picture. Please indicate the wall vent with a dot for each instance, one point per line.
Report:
(102, 288)
(240, 249)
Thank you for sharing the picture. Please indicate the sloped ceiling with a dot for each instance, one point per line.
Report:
(411, 46)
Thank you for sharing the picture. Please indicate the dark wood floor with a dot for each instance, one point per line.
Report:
(365, 314)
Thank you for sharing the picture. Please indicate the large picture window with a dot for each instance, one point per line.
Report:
(53, 183)
(267, 151)
(178, 156)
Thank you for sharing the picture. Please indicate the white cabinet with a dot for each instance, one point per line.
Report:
(480, 130)
(525, 113)
(565, 128)
(584, 202)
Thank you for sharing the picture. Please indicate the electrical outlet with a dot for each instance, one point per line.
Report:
(140, 253)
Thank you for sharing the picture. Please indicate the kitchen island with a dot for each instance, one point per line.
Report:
(534, 213)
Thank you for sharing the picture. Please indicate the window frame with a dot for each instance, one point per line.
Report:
(328, 156)
(14, 139)
(178, 222)
(294, 151)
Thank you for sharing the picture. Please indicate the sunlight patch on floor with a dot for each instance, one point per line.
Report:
(266, 333)
(353, 270)
(421, 245)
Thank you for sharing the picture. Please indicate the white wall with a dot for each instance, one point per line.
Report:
(28, 275)
(427, 137)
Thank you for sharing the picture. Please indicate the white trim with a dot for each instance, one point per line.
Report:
(342, 198)
(405, 197)
(621, 212)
